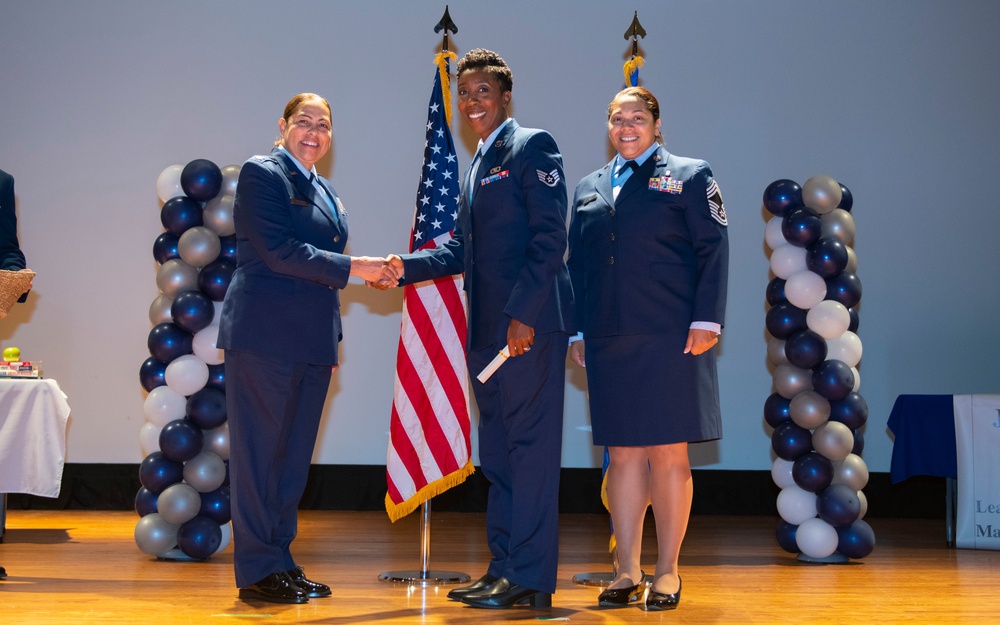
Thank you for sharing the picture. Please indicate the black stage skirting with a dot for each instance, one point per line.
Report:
(362, 487)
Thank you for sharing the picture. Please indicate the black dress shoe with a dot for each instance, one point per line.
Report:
(502, 594)
(3, 572)
(275, 588)
(663, 601)
(620, 597)
(481, 583)
(313, 589)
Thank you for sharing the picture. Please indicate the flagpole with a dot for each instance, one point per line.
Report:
(631, 71)
(424, 576)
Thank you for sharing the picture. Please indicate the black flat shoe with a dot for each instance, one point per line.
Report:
(313, 589)
(662, 601)
(3, 572)
(502, 594)
(481, 583)
(621, 597)
(275, 588)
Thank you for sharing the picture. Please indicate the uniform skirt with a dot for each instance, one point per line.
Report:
(645, 391)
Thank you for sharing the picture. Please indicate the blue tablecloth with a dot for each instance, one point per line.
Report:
(924, 427)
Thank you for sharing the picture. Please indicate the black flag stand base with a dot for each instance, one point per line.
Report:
(425, 577)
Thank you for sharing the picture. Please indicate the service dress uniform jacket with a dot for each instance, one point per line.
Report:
(644, 267)
(280, 328)
(510, 242)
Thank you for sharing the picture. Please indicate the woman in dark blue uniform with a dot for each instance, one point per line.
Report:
(648, 256)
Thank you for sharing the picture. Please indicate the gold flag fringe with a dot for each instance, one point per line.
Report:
(631, 66)
(438, 486)
(442, 58)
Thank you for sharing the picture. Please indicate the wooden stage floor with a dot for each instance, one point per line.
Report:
(84, 567)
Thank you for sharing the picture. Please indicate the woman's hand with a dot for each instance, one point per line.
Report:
(700, 341)
(576, 353)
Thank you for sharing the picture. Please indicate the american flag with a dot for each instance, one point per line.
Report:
(429, 446)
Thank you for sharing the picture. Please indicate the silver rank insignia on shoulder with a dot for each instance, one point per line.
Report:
(715, 206)
(550, 179)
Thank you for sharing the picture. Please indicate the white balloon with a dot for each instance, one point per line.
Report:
(805, 289)
(163, 405)
(857, 379)
(864, 504)
(816, 538)
(149, 438)
(828, 319)
(186, 374)
(787, 259)
(781, 472)
(845, 348)
(204, 347)
(796, 505)
(773, 235)
(227, 536)
(168, 183)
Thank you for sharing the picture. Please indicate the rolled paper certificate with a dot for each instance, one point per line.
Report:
(491, 368)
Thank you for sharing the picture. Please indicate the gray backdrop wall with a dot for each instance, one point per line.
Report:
(895, 99)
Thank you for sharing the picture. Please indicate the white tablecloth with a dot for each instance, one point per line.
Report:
(33, 417)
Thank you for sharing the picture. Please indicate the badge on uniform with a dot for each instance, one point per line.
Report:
(715, 206)
(340, 207)
(666, 184)
(550, 179)
(497, 176)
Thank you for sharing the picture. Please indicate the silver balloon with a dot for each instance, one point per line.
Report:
(205, 472)
(838, 224)
(179, 503)
(852, 261)
(834, 440)
(176, 276)
(822, 194)
(230, 176)
(199, 246)
(159, 310)
(790, 380)
(217, 441)
(810, 410)
(218, 215)
(776, 351)
(864, 504)
(155, 535)
(852, 471)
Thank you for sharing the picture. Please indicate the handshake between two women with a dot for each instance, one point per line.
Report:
(378, 273)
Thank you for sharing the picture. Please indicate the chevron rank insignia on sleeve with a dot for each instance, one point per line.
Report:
(550, 179)
(715, 206)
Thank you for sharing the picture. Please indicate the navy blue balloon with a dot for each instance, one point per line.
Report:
(857, 540)
(165, 247)
(179, 214)
(181, 440)
(855, 320)
(826, 257)
(217, 377)
(776, 291)
(145, 501)
(838, 505)
(216, 505)
(781, 196)
(852, 410)
(199, 538)
(201, 179)
(227, 249)
(156, 472)
(846, 199)
(166, 342)
(215, 277)
(789, 441)
(801, 227)
(776, 410)
(805, 349)
(207, 408)
(784, 320)
(812, 471)
(859, 443)
(785, 533)
(151, 373)
(192, 311)
(833, 379)
(844, 288)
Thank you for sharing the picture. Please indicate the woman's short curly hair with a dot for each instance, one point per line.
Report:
(489, 62)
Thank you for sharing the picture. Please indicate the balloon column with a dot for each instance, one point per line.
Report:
(816, 411)
(184, 499)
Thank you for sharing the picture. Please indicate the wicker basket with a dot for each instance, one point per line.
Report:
(13, 284)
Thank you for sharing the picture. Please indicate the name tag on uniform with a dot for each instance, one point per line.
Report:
(666, 185)
(495, 177)
(298, 202)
